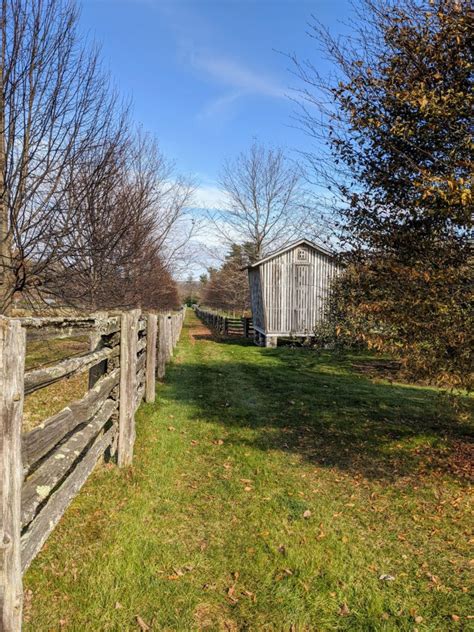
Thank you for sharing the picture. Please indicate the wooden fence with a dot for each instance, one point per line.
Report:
(227, 325)
(42, 470)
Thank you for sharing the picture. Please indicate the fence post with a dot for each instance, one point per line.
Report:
(97, 343)
(150, 377)
(226, 325)
(12, 366)
(169, 336)
(128, 386)
(161, 365)
(246, 326)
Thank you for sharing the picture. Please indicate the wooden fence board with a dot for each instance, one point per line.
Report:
(39, 378)
(42, 439)
(51, 471)
(42, 470)
(39, 530)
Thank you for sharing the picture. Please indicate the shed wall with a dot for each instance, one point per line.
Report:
(258, 314)
(295, 294)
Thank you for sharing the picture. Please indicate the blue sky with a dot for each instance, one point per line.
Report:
(205, 76)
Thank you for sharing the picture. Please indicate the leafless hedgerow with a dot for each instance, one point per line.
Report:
(87, 205)
(126, 204)
(55, 105)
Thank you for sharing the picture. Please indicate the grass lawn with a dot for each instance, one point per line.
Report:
(272, 489)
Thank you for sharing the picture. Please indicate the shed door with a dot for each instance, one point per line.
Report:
(301, 296)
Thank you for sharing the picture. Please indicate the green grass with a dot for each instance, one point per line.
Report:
(208, 531)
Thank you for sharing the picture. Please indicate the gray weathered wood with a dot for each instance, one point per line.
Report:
(139, 395)
(290, 289)
(169, 336)
(128, 386)
(39, 378)
(42, 439)
(42, 482)
(162, 346)
(142, 344)
(97, 370)
(150, 387)
(141, 363)
(39, 530)
(67, 326)
(12, 362)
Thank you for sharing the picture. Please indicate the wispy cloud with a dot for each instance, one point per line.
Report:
(209, 196)
(237, 75)
(234, 77)
(243, 80)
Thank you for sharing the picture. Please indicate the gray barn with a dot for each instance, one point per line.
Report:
(289, 291)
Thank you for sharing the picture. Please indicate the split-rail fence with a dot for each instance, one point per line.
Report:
(42, 470)
(227, 325)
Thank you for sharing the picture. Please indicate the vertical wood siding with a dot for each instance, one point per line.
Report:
(256, 298)
(291, 293)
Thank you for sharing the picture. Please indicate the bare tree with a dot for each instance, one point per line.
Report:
(123, 205)
(55, 105)
(266, 201)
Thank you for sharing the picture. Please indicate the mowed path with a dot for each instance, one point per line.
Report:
(271, 490)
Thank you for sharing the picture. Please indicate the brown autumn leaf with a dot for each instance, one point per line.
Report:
(344, 610)
(307, 514)
(143, 626)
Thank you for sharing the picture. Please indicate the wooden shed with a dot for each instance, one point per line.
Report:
(289, 290)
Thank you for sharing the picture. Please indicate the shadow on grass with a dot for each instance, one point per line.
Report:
(301, 402)
(227, 340)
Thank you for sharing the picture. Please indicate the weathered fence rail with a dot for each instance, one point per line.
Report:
(227, 325)
(42, 470)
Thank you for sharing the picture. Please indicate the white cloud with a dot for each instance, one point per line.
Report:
(209, 197)
(236, 75)
(220, 105)
(243, 80)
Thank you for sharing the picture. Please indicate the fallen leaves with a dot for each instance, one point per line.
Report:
(387, 578)
(179, 572)
(142, 625)
(231, 590)
(307, 514)
(344, 610)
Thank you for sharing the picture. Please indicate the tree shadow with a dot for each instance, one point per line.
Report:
(226, 340)
(301, 402)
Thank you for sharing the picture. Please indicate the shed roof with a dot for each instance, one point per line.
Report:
(294, 244)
